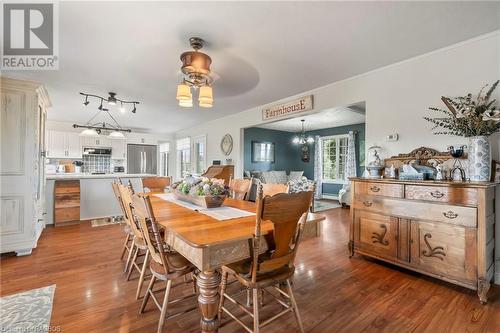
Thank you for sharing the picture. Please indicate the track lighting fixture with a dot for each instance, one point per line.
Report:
(110, 100)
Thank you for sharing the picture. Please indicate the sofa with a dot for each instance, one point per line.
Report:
(295, 180)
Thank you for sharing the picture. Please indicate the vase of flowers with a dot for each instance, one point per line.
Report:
(474, 118)
(205, 192)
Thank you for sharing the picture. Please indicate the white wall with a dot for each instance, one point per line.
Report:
(396, 96)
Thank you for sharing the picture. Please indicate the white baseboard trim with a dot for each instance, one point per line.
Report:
(497, 278)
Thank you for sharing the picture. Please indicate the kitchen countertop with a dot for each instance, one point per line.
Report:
(62, 176)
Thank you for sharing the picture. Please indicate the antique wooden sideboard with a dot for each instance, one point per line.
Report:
(440, 228)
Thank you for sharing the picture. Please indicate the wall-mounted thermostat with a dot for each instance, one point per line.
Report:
(392, 137)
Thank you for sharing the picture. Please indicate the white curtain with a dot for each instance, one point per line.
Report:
(318, 167)
(350, 165)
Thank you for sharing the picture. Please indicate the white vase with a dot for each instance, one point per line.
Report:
(479, 158)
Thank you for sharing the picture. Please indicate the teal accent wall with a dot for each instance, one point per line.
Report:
(288, 156)
(282, 149)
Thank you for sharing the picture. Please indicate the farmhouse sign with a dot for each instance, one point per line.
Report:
(282, 110)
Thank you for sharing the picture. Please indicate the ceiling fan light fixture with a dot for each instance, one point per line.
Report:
(310, 139)
(206, 95)
(186, 103)
(183, 92)
(89, 132)
(206, 104)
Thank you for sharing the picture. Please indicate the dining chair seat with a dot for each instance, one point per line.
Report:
(242, 271)
(158, 270)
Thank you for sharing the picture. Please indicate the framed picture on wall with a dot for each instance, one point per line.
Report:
(262, 152)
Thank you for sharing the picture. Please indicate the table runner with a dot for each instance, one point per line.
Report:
(220, 213)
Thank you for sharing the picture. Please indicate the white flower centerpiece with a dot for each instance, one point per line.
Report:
(205, 192)
(474, 118)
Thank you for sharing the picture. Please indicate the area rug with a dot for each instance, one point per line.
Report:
(28, 311)
(104, 222)
(321, 205)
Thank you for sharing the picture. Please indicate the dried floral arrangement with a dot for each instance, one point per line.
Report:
(202, 186)
(467, 116)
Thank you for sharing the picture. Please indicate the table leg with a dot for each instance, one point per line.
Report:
(208, 286)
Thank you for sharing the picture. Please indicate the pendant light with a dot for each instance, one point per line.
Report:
(89, 132)
(302, 138)
(116, 135)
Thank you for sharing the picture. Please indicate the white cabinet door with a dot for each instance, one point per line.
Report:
(57, 145)
(118, 149)
(103, 141)
(73, 145)
(89, 141)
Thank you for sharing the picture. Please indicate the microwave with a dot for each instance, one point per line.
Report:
(97, 151)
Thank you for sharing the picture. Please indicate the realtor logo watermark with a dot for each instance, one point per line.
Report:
(30, 36)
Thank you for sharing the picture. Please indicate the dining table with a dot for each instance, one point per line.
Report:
(209, 243)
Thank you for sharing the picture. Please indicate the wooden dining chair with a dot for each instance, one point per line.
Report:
(139, 246)
(274, 268)
(155, 184)
(272, 189)
(165, 265)
(240, 188)
(129, 235)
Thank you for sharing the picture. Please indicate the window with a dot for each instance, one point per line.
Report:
(334, 156)
(164, 159)
(183, 157)
(199, 154)
(262, 152)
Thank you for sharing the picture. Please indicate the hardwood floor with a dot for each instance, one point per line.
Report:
(334, 293)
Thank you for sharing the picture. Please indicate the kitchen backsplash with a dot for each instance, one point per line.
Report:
(96, 164)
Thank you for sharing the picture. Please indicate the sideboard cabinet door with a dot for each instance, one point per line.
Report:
(376, 234)
(445, 250)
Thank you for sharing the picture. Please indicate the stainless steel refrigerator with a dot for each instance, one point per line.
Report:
(141, 158)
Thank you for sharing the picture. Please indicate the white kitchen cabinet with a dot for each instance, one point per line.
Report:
(22, 123)
(56, 144)
(63, 145)
(100, 141)
(73, 145)
(118, 149)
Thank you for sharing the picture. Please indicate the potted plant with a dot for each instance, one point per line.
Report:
(474, 118)
(205, 192)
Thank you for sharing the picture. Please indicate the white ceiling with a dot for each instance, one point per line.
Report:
(334, 117)
(263, 51)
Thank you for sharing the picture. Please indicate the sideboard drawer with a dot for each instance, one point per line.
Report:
(454, 195)
(374, 188)
(444, 250)
(457, 215)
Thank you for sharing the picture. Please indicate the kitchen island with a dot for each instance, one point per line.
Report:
(97, 199)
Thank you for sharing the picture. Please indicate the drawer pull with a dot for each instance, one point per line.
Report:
(449, 214)
(433, 252)
(375, 188)
(367, 203)
(437, 194)
(379, 238)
